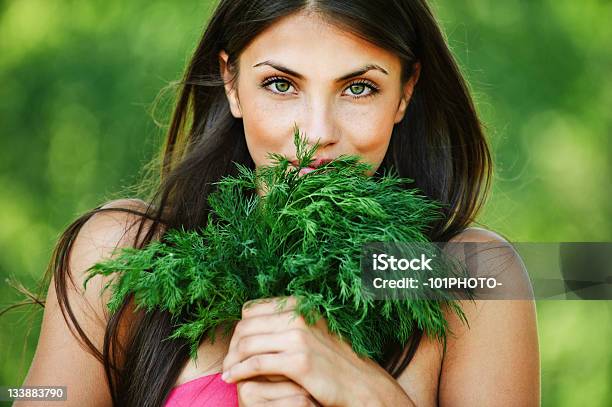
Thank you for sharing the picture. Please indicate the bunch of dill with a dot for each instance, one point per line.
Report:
(302, 238)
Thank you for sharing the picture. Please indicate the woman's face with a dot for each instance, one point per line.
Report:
(340, 90)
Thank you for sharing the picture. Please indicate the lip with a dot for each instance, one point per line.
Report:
(316, 163)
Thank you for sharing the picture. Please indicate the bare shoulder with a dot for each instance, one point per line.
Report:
(116, 225)
(478, 235)
(62, 357)
(494, 359)
(493, 256)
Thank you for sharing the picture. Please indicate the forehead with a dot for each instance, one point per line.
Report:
(310, 45)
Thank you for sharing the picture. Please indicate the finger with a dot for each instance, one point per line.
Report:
(275, 378)
(267, 306)
(295, 401)
(264, 324)
(264, 391)
(294, 339)
(266, 364)
(270, 378)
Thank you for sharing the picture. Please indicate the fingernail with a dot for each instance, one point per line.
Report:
(224, 376)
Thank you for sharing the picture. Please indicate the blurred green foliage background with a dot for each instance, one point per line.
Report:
(78, 79)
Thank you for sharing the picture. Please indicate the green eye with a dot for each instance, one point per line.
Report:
(357, 89)
(276, 85)
(282, 86)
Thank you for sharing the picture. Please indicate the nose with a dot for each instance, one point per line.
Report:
(319, 124)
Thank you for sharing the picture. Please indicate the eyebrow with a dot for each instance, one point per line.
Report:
(288, 71)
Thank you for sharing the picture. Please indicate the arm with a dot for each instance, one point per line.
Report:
(496, 360)
(61, 359)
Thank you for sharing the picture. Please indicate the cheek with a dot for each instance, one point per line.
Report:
(368, 130)
(265, 125)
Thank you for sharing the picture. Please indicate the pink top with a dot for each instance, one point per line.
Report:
(205, 391)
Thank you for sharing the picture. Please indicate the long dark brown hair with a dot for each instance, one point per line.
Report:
(439, 144)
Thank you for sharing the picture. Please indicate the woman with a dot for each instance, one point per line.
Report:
(373, 78)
